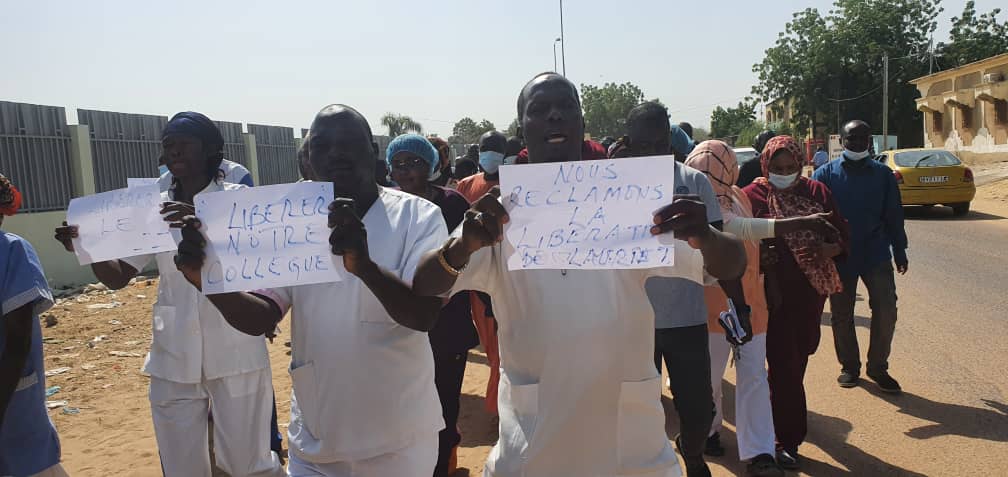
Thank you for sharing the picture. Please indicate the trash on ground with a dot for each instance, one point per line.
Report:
(55, 371)
(71, 410)
(114, 322)
(125, 354)
(104, 306)
(56, 404)
(51, 390)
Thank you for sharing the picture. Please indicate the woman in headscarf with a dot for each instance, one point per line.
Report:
(29, 444)
(197, 361)
(443, 169)
(800, 272)
(753, 419)
(412, 160)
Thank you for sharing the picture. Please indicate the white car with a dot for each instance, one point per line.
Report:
(745, 154)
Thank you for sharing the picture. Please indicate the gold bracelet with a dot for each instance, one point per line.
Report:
(444, 261)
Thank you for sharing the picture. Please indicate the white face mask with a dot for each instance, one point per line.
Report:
(782, 182)
(490, 161)
(162, 170)
(855, 156)
(510, 160)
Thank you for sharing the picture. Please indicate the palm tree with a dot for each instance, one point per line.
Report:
(398, 124)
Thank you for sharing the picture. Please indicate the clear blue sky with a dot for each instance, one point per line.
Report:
(279, 62)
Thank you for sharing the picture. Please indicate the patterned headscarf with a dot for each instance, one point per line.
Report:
(792, 202)
(775, 145)
(10, 197)
(718, 161)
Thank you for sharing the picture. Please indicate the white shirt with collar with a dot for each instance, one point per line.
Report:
(192, 341)
(363, 385)
(579, 392)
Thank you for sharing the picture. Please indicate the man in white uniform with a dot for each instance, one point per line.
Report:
(364, 402)
(197, 362)
(579, 392)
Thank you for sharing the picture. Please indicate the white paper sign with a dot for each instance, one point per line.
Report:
(266, 237)
(588, 214)
(118, 224)
(140, 181)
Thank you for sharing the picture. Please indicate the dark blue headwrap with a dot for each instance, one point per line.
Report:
(197, 125)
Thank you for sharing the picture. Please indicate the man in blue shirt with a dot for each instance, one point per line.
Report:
(820, 158)
(867, 195)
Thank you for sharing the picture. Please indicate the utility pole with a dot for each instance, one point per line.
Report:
(885, 102)
(563, 55)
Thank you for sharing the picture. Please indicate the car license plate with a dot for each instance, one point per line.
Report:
(934, 179)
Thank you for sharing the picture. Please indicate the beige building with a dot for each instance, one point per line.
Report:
(966, 110)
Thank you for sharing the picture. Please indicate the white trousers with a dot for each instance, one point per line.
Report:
(242, 406)
(416, 460)
(753, 417)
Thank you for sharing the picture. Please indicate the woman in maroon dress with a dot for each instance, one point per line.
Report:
(800, 275)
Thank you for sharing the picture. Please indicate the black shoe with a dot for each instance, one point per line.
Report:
(695, 466)
(764, 465)
(885, 382)
(714, 447)
(788, 458)
(848, 379)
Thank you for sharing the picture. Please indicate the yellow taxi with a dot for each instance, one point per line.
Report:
(931, 177)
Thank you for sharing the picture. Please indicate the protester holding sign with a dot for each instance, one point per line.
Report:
(197, 362)
(411, 159)
(579, 393)
(364, 401)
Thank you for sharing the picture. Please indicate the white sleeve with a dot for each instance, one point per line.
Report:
(429, 233)
(748, 228)
(689, 264)
(138, 262)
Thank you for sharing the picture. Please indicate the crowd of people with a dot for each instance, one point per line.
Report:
(378, 359)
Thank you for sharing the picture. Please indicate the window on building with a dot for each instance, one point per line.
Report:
(936, 121)
(1001, 111)
(966, 118)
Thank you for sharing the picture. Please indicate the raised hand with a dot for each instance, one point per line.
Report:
(190, 256)
(65, 235)
(686, 218)
(484, 222)
(348, 238)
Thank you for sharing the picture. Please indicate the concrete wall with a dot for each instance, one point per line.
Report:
(60, 266)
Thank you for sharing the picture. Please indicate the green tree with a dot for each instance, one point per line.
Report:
(831, 66)
(701, 134)
(606, 107)
(398, 124)
(728, 123)
(485, 126)
(467, 131)
(973, 38)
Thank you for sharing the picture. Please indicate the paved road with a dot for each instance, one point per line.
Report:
(950, 354)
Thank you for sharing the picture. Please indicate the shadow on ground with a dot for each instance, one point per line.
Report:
(945, 213)
(989, 423)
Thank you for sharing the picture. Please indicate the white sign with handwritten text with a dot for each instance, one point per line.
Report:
(118, 224)
(588, 214)
(267, 237)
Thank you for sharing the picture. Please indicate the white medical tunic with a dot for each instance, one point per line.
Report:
(191, 339)
(579, 392)
(363, 385)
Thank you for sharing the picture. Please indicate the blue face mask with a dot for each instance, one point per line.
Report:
(162, 170)
(490, 161)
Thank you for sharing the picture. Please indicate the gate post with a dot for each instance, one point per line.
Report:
(81, 163)
(252, 159)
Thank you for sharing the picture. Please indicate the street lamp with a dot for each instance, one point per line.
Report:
(558, 40)
(563, 55)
